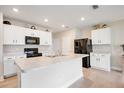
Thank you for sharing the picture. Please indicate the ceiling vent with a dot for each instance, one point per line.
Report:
(95, 7)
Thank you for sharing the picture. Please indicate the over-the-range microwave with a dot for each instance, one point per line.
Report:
(32, 40)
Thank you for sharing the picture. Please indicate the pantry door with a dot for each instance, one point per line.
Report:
(66, 45)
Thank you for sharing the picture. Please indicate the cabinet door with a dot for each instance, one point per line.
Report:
(95, 37)
(101, 36)
(31, 32)
(48, 40)
(13, 35)
(9, 36)
(105, 36)
(105, 61)
(93, 60)
(42, 37)
(45, 38)
(19, 35)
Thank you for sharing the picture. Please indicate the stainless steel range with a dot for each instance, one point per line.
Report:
(32, 52)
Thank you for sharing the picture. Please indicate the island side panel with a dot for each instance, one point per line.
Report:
(19, 76)
(61, 74)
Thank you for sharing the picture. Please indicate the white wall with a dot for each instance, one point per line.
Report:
(117, 40)
(1, 46)
(59, 37)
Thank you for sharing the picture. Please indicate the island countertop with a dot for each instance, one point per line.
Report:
(28, 64)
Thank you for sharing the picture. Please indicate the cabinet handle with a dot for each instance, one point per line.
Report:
(16, 41)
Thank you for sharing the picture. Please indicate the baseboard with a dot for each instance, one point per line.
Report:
(1, 78)
(116, 69)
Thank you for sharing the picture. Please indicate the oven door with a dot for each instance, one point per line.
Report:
(32, 40)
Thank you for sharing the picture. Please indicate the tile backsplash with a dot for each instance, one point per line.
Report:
(8, 49)
(102, 48)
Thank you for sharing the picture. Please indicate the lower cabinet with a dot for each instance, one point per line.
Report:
(9, 65)
(100, 61)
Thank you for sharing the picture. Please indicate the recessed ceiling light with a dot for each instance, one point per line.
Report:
(45, 20)
(82, 18)
(63, 26)
(15, 10)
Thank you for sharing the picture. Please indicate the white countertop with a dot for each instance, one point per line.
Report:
(28, 64)
(100, 53)
(14, 54)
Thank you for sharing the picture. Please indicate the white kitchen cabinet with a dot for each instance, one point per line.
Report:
(105, 61)
(95, 37)
(9, 66)
(101, 36)
(93, 59)
(31, 32)
(13, 35)
(45, 38)
(48, 39)
(100, 61)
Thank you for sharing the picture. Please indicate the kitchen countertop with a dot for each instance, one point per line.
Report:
(28, 64)
(14, 54)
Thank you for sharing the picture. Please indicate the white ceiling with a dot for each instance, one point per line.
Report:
(67, 15)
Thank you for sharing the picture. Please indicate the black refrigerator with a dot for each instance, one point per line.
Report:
(83, 46)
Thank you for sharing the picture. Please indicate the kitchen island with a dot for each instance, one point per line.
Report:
(49, 72)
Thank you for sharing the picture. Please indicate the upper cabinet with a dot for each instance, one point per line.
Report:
(31, 32)
(48, 40)
(45, 38)
(15, 35)
(101, 36)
